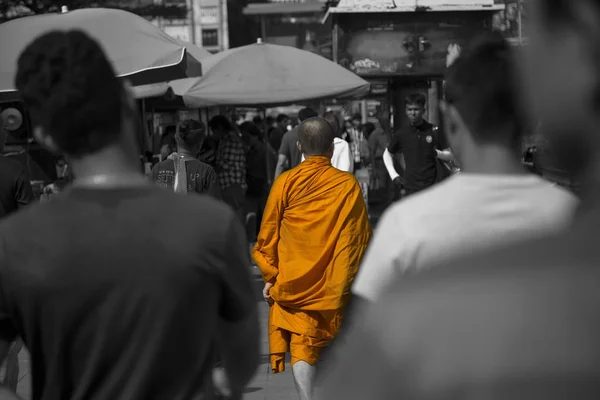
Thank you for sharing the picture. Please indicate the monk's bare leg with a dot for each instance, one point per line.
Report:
(304, 377)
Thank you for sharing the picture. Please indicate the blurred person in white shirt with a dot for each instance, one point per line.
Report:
(342, 158)
(493, 202)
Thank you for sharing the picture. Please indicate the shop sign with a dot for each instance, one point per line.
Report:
(209, 15)
(379, 88)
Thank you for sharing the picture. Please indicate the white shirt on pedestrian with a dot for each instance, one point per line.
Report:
(466, 213)
(341, 159)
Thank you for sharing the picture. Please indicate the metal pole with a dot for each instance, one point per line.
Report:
(335, 40)
(191, 20)
(520, 8)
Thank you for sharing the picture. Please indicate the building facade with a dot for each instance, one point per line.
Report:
(296, 23)
(205, 25)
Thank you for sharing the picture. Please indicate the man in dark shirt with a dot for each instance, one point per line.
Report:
(230, 164)
(416, 143)
(120, 290)
(520, 322)
(289, 155)
(278, 132)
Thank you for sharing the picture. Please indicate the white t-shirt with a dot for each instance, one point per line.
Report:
(465, 213)
(341, 159)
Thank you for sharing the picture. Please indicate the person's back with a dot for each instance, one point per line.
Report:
(313, 235)
(513, 323)
(113, 316)
(493, 203)
(201, 179)
(307, 191)
(464, 214)
(119, 289)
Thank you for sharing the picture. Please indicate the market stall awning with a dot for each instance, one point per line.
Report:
(261, 75)
(283, 8)
(396, 6)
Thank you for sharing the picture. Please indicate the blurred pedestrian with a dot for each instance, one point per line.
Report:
(168, 145)
(279, 130)
(182, 172)
(517, 322)
(15, 193)
(289, 154)
(119, 289)
(494, 202)
(230, 164)
(313, 235)
(256, 174)
(342, 158)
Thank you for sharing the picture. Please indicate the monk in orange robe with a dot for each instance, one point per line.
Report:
(314, 233)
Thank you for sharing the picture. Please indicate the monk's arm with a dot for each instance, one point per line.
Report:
(265, 252)
(238, 330)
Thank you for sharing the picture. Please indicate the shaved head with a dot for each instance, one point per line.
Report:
(316, 137)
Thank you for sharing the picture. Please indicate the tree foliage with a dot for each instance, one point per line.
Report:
(10, 9)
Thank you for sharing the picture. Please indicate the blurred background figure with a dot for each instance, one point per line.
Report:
(168, 145)
(279, 130)
(289, 154)
(256, 177)
(15, 193)
(115, 272)
(230, 164)
(182, 172)
(342, 157)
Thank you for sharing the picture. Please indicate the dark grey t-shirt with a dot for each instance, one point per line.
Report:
(117, 292)
(201, 178)
(289, 147)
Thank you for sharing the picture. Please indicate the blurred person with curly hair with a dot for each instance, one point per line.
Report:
(119, 289)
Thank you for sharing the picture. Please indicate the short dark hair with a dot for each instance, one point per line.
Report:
(191, 133)
(316, 136)
(257, 120)
(333, 119)
(282, 117)
(307, 113)
(418, 99)
(71, 91)
(369, 128)
(251, 128)
(482, 85)
(356, 117)
(220, 122)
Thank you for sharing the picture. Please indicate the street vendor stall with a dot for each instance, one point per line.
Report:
(262, 75)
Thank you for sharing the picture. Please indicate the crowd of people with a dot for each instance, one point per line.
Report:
(481, 284)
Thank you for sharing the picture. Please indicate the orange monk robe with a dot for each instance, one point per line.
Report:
(314, 233)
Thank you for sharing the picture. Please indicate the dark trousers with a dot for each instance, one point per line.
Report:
(234, 196)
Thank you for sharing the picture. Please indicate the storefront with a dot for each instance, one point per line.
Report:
(403, 47)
